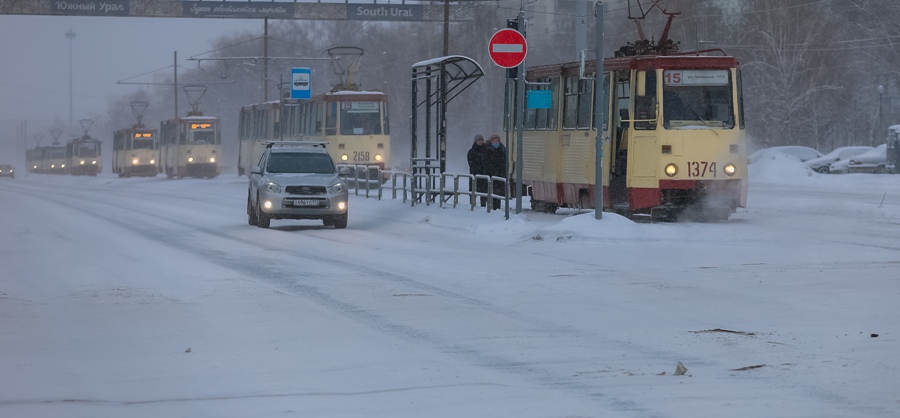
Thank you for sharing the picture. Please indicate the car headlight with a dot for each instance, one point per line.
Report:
(273, 187)
(336, 188)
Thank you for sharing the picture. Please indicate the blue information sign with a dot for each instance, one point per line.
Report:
(301, 83)
(539, 99)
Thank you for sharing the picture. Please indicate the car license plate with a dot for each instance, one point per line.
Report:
(306, 202)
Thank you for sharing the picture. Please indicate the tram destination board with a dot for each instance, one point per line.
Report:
(386, 10)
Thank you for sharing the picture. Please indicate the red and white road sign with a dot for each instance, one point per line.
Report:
(507, 48)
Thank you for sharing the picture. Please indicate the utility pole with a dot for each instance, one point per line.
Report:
(446, 27)
(70, 35)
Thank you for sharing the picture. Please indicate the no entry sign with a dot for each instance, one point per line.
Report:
(507, 48)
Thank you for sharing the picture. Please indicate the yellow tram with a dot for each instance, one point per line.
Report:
(353, 124)
(673, 143)
(190, 146)
(136, 149)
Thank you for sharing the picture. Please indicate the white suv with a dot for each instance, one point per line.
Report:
(296, 180)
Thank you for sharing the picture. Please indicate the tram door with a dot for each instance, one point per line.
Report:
(619, 132)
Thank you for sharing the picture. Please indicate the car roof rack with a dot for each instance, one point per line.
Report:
(270, 144)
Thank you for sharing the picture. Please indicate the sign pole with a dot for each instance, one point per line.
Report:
(520, 116)
(599, 110)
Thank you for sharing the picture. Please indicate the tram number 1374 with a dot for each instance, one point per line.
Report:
(701, 168)
(361, 156)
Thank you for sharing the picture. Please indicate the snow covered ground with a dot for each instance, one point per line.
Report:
(153, 297)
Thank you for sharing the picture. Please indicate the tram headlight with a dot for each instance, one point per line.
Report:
(152, 161)
(344, 157)
(273, 187)
(94, 162)
(212, 159)
(729, 169)
(134, 161)
(671, 169)
(62, 166)
(82, 162)
(190, 159)
(377, 157)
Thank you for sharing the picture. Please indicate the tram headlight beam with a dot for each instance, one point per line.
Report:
(729, 169)
(671, 169)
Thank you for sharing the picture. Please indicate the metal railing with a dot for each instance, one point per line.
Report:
(422, 188)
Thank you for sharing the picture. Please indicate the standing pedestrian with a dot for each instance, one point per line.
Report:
(475, 157)
(495, 166)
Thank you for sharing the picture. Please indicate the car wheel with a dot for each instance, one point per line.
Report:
(262, 219)
(251, 214)
(823, 170)
(340, 222)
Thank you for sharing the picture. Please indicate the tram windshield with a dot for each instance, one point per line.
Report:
(361, 118)
(698, 98)
(88, 149)
(202, 134)
(56, 152)
(143, 140)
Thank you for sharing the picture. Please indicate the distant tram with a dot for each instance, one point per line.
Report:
(83, 154)
(52, 159)
(674, 141)
(191, 146)
(136, 149)
(353, 124)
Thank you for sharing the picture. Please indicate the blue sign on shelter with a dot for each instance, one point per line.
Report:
(301, 83)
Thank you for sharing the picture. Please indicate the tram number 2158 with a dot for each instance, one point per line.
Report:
(701, 168)
(361, 156)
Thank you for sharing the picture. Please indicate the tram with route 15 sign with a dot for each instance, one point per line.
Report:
(673, 137)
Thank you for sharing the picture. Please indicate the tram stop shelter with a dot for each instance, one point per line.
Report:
(435, 82)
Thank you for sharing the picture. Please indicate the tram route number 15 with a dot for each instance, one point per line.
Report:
(701, 168)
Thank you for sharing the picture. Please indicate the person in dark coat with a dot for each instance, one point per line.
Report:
(476, 165)
(495, 165)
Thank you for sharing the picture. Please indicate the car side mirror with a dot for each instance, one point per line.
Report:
(345, 171)
(256, 170)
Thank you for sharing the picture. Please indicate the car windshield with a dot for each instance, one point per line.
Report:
(297, 162)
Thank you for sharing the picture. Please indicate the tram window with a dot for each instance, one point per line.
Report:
(360, 118)
(585, 103)
(604, 102)
(570, 103)
(331, 113)
(645, 105)
(697, 98)
(317, 122)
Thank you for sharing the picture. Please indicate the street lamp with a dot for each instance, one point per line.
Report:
(880, 112)
(70, 35)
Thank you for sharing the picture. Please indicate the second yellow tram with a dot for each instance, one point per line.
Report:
(673, 145)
